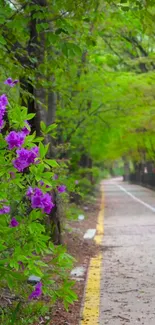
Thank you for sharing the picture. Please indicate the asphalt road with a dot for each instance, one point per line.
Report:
(128, 267)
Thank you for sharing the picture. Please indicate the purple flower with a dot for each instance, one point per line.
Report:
(38, 191)
(25, 158)
(19, 165)
(48, 205)
(15, 139)
(3, 100)
(5, 209)
(40, 200)
(37, 291)
(36, 201)
(10, 82)
(33, 154)
(3, 103)
(15, 82)
(2, 110)
(55, 177)
(29, 192)
(76, 182)
(26, 129)
(14, 223)
(61, 188)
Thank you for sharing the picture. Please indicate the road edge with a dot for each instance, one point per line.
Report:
(91, 300)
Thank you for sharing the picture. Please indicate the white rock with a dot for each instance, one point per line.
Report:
(81, 217)
(34, 279)
(78, 272)
(90, 233)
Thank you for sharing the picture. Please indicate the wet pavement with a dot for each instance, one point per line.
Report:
(128, 267)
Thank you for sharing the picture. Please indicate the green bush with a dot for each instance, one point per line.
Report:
(26, 179)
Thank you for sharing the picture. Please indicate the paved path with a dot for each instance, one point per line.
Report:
(127, 293)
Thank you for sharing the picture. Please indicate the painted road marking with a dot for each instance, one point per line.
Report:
(91, 302)
(90, 233)
(100, 222)
(91, 309)
(136, 199)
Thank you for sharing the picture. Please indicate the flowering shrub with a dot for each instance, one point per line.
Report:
(26, 180)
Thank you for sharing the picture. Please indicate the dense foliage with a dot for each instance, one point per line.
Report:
(27, 185)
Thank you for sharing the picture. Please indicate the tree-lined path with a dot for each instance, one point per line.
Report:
(128, 268)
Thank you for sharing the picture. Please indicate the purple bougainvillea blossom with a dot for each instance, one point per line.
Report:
(10, 82)
(14, 223)
(25, 158)
(61, 188)
(5, 209)
(40, 200)
(15, 139)
(37, 291)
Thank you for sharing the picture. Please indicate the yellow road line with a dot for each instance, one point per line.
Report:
(100, 222)
(91, 305)
(90, 315)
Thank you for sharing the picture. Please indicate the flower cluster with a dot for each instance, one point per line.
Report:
(5, 209)
(15, 139)
(61, 188)
(10, 82)
(37, 291)
(40, 200)
(25, 157)
(3, 104)
(14, 223)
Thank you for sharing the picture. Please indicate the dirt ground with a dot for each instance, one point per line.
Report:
(82, 250)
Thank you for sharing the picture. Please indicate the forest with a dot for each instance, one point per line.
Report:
(77, 104)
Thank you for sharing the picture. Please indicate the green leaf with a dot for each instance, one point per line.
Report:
(51, 128)
(2, 40)
(43, 126)
(42, 150)
(30, 116)
(51, 162)
(2, 247)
